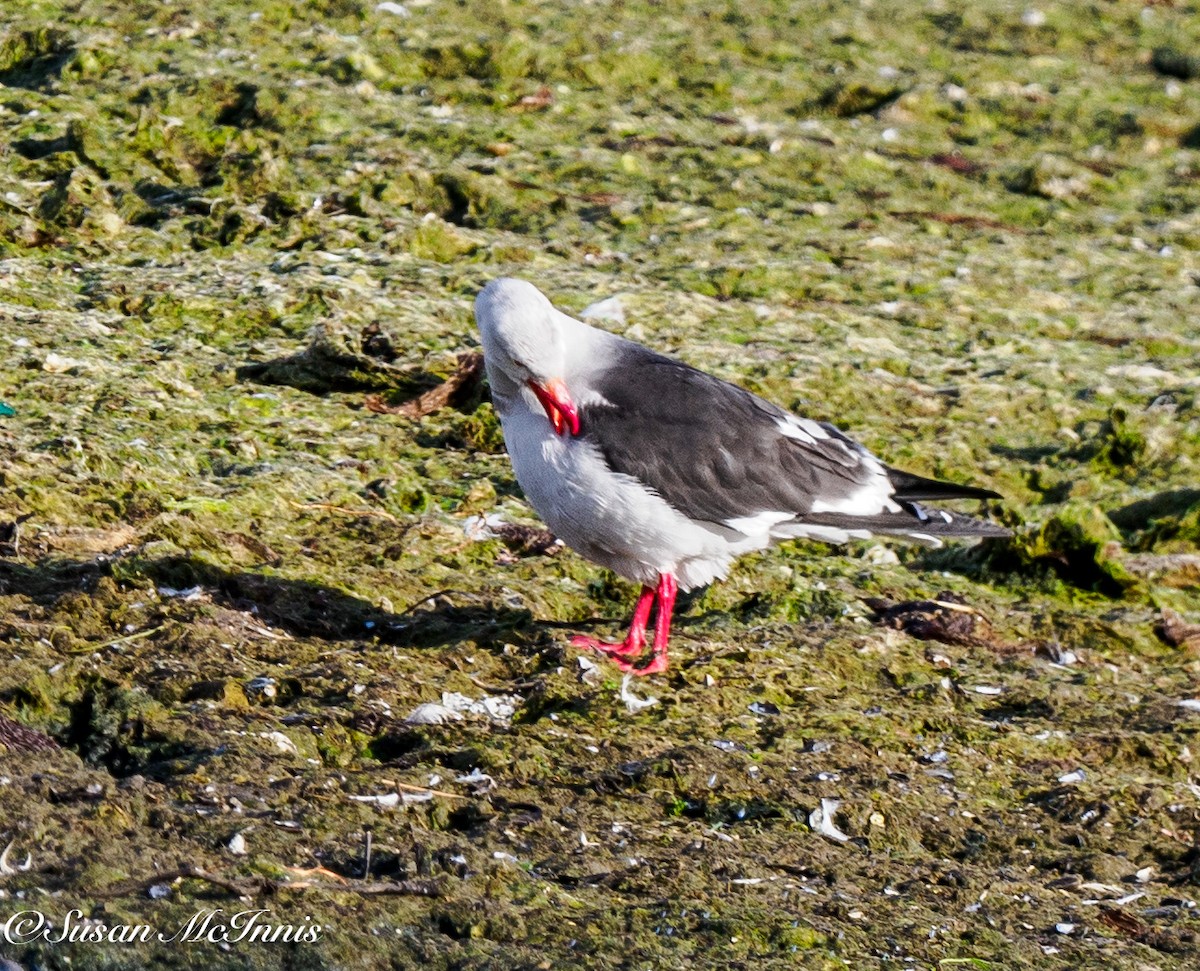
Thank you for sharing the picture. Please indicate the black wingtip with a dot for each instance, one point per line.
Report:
(917, 488)
(913, 523)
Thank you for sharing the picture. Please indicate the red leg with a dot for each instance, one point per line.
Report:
(667, 588)
(635, 640)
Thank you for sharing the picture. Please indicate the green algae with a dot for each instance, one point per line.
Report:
(968, 236)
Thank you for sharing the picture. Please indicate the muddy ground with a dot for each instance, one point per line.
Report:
(236, 238)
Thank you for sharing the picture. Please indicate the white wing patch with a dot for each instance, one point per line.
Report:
(827, 534)
(870, 500)
(760, 524)
(801, 429)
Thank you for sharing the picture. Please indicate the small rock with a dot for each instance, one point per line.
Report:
(1173, 629)
(880, 555)
(958, 95)
(1052, 177)
(58, 364)
(261, 690)
(607, 309)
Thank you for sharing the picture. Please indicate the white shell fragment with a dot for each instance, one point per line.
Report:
(480, 528)
(499, 708)
(282, 742)
(6, 869)
(1107, 892)
(389, 800)
(633, 703)
(1129, 898)
(821, 820)
(1077, 775)
(454, 706)
(589, 670)
(456, 701)
(480, 780)
(1191, 704)
(237, 845)
(185, 594)
(431, 713)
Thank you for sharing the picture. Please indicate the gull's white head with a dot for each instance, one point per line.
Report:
(520, 335)
(523, 345)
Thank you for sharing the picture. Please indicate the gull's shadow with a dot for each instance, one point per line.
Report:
(102, 725)
(302, 608)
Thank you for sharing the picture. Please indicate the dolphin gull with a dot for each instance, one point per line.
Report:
(664, 474)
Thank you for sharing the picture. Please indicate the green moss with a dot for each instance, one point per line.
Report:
(963, 235)
(1081, 543)
(1118, 446)
(440, 242)
(30, 57)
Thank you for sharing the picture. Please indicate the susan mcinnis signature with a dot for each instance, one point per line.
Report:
(203, 927)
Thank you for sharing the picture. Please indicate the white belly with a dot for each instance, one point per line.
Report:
(608, 517)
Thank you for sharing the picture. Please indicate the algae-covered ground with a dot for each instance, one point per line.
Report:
(967, 233)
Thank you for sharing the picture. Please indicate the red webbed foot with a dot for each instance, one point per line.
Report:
(635, 640)
(625, 648)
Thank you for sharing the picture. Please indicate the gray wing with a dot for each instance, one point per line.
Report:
(717, 452)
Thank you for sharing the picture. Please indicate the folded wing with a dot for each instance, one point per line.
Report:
(724, 456)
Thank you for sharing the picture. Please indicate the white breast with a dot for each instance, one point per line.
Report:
(606, 516)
